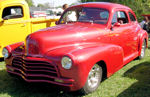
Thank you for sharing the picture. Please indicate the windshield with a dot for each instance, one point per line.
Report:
(93, 15)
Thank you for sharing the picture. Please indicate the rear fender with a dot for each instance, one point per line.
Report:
(143, 35)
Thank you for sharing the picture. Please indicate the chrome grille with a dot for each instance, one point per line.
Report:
(36, 70)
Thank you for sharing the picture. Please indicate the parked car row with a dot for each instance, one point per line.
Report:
(48, 13)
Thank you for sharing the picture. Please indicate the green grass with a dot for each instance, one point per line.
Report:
(133, 80)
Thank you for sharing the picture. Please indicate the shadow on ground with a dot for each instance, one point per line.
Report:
(148, 47)
(149, 42)
(141, 88)
(18, 88)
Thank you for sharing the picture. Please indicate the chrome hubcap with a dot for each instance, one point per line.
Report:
(143, 50)
(93, 78)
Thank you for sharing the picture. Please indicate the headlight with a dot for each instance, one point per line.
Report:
(66, 62)
(5, 53)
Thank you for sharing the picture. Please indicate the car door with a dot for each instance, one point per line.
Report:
(134, 32)
(14, 27)
(121, 32)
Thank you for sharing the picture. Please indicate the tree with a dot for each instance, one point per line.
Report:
(138, 6)
(40, 5)
(30, 2)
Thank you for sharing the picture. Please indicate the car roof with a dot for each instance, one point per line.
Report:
(105, 5)
(7, 2)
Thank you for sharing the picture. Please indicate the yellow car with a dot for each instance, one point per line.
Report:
(16, 24)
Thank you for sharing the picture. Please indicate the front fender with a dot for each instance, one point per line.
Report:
(85, 57)
(12, 47)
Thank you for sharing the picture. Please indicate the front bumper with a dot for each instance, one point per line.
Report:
(37, 70)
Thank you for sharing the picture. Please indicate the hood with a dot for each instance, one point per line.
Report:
(63, 35)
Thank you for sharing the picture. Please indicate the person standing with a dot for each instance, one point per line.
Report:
(142, 23)
(146, 25)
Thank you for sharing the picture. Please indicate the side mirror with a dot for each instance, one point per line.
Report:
(116, 24)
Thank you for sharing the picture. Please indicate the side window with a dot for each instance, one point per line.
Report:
(12, 12)
(122, 17)
(132, 18)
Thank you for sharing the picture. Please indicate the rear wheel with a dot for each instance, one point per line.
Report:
(93, 80)
(143, 50)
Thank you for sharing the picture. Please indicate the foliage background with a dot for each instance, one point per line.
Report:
(138, 6)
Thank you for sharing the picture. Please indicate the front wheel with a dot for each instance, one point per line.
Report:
(93, 80)
(143, 50)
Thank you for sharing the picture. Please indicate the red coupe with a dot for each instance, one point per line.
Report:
(91, 42)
